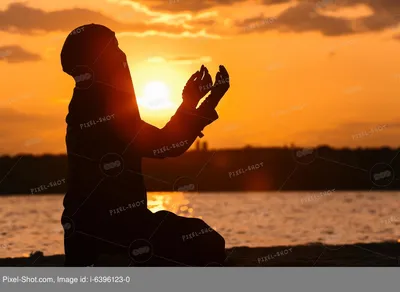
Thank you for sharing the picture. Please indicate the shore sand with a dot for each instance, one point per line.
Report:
(384, 254)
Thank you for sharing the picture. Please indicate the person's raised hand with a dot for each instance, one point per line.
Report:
(221, 84)
(220, 87)
(197, 87)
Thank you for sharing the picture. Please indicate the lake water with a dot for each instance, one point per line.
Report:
(31, 223)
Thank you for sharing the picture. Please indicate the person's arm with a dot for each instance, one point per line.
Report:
(188, 122)
(176, 137)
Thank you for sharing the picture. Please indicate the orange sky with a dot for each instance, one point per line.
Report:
(303, 72)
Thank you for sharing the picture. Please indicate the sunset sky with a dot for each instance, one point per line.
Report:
(302, 72)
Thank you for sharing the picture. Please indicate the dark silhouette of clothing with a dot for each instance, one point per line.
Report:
(106, 140)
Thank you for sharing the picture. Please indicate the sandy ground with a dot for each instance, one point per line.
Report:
(314, 255)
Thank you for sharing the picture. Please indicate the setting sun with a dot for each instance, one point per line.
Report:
(156, 96)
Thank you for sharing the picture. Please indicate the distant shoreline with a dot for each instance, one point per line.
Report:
(225, 170)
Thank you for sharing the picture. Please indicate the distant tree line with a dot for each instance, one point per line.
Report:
(227, 170)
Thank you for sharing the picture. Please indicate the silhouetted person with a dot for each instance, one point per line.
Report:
(105, 207)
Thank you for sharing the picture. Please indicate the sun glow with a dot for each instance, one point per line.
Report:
(156, 96)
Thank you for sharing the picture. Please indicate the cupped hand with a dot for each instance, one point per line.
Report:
(221, 84)
(197, 86)
(220, 87)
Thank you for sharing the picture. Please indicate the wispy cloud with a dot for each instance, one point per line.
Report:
(22, 19)
(184, 5)
(307, 16)
(182, 60)
(17, 54)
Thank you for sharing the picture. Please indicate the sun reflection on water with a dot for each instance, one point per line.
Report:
(178, 203)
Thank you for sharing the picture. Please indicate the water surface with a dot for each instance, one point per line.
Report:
(29, 223)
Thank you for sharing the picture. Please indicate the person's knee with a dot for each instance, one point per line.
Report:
(210, 237)
(220, 241)
(216, 239)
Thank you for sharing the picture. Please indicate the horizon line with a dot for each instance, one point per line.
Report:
(247, 147)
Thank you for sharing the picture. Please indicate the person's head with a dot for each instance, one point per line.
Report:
(91, 55)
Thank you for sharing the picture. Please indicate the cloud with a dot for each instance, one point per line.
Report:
(191, 18)
(15, 99)
(181, 17)
(181, 60)
(308, 15)
(22, 19)
(189, 5)
(299, 18)
(275, 2)
(8, 115)
(203, 22)
(302, 16)
(185, 34)
(16, 54)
